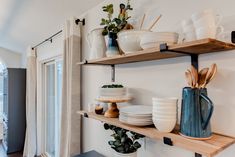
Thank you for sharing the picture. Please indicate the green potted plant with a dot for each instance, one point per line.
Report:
(114, 25)
(125, 142)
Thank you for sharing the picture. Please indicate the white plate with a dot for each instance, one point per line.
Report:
(136, 123)
(137, 110)
(136, 120)
(136, 116)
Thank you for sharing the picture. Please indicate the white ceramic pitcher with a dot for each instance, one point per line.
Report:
(97, 44)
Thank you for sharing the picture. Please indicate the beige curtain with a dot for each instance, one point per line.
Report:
(70, 122)
(30, 147)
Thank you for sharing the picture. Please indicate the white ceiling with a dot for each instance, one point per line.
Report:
(27, 22)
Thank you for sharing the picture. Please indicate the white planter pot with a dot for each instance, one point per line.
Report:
(116, 154)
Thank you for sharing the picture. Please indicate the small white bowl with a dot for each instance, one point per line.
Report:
(154, 39)
(165, 125)
(129, 40)
(164, 113)
(164, 117)
(164, 104)
(165, 100)
(112, 91)
(165, 108)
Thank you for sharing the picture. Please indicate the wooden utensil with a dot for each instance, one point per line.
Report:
(194, 83)
(195, 76)
(142, 21)
(188, 78)
(202, 77)
(155, 22)
(213, 72)
(210, 75)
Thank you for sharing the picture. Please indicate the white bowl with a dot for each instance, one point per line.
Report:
(165, 125)
(164, 104)
(112, 91)
(129, 40)
(165, 100)
(164, 117)
(165, 108)
(156, 113)
(154, 39)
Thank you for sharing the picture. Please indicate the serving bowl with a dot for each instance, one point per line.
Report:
(129, 40)
(164, 125)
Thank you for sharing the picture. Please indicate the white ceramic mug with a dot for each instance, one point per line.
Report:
(187, 26)
(209, 32)
(206, 18)
(189, 36)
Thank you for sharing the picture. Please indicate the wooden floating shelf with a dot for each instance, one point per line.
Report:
(195, 47)
(208, 148)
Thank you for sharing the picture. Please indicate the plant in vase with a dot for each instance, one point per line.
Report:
(125, 142)
(114, 25)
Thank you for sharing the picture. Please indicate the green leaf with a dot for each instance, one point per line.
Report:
(117, 143)
(137, 145)
(120, 149)
(111, 143)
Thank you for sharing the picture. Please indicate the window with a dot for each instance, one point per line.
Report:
(52, 106)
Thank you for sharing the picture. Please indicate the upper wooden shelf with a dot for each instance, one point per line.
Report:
(194, 47)
(208, 148)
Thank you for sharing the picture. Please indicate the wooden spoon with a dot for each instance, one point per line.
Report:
(210, 75)
(213, 71)
(155, 22)
(202, 77)
(192, 78)
(142, 22)
(195, 76)
(188, 78)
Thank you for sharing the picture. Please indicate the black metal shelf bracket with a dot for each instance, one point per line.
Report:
(167, 141)
(86, 115)
(113, 73)
(194, 57)
(198, 155)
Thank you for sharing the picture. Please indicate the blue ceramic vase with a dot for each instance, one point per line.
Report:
(112, 47)
(196, 112)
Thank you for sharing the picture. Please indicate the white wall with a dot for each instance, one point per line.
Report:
(158, 78)
(163, 78)
(10, 58)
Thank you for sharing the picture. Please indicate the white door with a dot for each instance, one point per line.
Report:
(52, 106)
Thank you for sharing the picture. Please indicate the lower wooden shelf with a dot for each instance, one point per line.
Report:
(208, 148)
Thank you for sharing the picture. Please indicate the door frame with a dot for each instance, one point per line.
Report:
(41, 101)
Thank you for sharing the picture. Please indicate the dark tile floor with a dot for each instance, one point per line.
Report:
(3, 154)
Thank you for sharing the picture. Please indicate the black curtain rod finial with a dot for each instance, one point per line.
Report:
(83, 21)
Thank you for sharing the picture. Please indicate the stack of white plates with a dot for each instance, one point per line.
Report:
(139, 115)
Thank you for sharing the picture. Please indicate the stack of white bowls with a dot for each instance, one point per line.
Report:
(165, 113)
(204, 24)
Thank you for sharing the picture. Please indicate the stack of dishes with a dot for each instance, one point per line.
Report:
(165, 113)
(154, 39)
(139, 115)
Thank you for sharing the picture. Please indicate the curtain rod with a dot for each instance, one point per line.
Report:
(50, 38)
